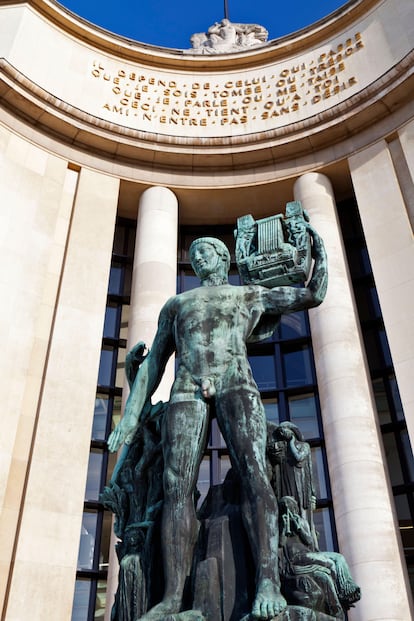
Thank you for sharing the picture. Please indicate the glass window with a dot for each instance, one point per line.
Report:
(216, 438)
(100, 417)
(190, 281)
(264, 371)
(297, 367)
(203, 483)
(225, 466)
(293, 326)
(107, 366)
(234, 278)
(120, 236)
(100, 603)
(367, 301)
(123, 332)
(378, 351)
(272, 410)
(396, 398)
(111, 325)
(116, 411)
(302, 410)
(405, 439)
(385, 348)
(127, 280)
(105, 541)
(120, 376)
(403, 510)
(93, 481)
(81, 600)
(319, 474)
(116, 279)
(323, 527)
(381, 401)
(87, 540)
(358, 261)
(393, 459)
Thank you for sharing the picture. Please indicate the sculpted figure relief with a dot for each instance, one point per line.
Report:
(208, 329)
(321, 581)
(226, 36)
(291, 464)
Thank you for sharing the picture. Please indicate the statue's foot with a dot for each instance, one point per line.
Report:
(269, 602)
(168, 606)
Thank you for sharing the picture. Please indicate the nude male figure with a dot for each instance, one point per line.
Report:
(208, 328)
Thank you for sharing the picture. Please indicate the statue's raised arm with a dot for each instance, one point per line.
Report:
(285, 299)
(148, 377)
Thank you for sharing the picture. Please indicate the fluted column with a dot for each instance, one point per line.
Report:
(360, 489)
(154, 280)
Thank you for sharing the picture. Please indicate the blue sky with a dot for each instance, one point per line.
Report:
(170, 24)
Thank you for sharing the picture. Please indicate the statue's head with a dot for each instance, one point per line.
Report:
(209, 256)
(288, 503)
(286, 429)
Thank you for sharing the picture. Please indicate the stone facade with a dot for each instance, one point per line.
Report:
(93, 125)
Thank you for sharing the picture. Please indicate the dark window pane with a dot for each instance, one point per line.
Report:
(81, 600)
(234, 278)
(264, 371)
(297, 367)
(216, 438)
(396, 398)
(367, 302)
(385, 348)
(302, 410)
(323, 527)
(102, 407)
(203, 483)
(116, 279)
(372, 348)
(116, 411)
(105, 540)
(107, 367)
(120, 376)
(272, 410)
(319, 474)
(293, 326)
(393, 459)
(127, 280)
(100, 604)
(381, 401)
(405, 439)
(191, 281)
(225, 466)
(94, 476)
(121, 233)
(358, 261)
(403, 510)
(111, 325)
(87, 540)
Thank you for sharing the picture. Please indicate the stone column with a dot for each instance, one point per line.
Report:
(154, 277)
(361, 494)
(45, 556)
(154, 280)
(390, 245)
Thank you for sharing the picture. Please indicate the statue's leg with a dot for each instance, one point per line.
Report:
(184, 436)
(242, 421)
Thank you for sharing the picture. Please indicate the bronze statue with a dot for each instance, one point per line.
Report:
(321, 581)
(208, 329)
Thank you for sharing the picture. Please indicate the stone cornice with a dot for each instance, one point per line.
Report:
(335, 126)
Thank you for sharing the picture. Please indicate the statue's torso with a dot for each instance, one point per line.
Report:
(211, 326)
